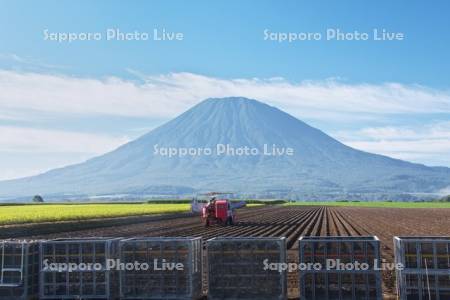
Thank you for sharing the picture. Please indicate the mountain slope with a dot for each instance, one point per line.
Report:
(319, 164)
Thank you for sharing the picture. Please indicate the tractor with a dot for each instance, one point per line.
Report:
(217, 211)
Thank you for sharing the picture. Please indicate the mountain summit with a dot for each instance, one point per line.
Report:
(240, 145)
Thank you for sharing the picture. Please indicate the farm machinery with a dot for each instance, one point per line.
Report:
(217, 210)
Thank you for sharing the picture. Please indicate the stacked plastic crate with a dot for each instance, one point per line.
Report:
(340, 268)
(88, 276)
(237, 268)
(167, 268)
(19, 270)
(426, 267)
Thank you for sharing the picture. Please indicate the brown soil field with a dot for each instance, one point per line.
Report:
(292, 222)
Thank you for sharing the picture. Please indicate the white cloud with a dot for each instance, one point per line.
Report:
(168, 95)
(22, 166)
(29, 140)
(429, 143)
(32, 97)
(445, 191)
(28, 151)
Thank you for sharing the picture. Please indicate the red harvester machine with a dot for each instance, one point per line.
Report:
(217, 211)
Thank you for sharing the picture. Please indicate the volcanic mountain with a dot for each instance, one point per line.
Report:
(186, 155)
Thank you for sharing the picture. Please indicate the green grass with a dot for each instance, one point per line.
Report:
(17, 214)
(378, 204)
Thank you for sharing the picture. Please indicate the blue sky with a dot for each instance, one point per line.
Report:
(87, 97)
(224, 38)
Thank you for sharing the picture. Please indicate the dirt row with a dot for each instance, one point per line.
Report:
(289, 222)
(292, 222)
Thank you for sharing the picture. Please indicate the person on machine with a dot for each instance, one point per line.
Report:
(211, 205)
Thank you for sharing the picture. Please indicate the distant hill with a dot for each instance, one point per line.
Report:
(319, 167)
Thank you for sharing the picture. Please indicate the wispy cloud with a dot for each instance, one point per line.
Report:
(28, 151)
(28, 98)
(168, 95)
(30, 140)
(29, 62)
(12, 57)
(428, 143)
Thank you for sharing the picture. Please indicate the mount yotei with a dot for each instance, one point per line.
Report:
(318, 166)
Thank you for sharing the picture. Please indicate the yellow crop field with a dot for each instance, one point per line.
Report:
(16, 214)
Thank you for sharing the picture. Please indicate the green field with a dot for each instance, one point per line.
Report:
(16, 214)
(377, 204)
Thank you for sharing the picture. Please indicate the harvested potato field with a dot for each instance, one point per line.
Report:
(292, 222)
